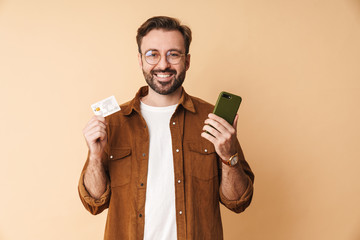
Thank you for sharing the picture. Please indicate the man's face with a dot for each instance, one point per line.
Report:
(164, 77)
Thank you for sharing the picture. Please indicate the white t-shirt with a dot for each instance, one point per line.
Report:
(160, 213)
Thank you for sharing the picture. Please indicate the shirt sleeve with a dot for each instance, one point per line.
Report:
(241, 204)
(93, 205)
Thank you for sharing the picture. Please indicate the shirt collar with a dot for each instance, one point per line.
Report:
(185, 101)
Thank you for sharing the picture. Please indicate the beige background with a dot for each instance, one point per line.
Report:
(295, 63)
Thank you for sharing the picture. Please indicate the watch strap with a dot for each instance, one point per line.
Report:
(228, 162)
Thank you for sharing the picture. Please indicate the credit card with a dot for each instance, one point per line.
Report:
(106, 107)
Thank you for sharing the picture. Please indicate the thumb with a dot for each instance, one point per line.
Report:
(235, 122)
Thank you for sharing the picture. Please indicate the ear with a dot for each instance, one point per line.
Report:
(187, 62)
(140, 60)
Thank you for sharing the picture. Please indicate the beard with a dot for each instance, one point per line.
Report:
(167, 87)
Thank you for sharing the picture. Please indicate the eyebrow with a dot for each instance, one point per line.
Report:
(175, 49)
(172, 49)
(151, 49)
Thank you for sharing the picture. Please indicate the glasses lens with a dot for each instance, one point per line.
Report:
(152, 57)
(173, 57)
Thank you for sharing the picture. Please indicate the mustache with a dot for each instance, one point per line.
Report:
(167, 70)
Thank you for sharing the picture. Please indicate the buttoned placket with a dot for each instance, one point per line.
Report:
(176, 135)
(142, 155)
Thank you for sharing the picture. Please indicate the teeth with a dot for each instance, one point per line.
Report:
(163, 76)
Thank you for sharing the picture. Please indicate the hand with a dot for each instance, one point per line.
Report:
(223, 135)
(95, 136)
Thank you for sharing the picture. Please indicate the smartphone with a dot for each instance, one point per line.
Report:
(227, 106)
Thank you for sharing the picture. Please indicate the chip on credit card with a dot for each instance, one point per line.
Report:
(106, 107)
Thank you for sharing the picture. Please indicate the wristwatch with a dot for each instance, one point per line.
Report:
(233, 160)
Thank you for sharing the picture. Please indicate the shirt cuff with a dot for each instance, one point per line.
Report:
(240, 205)
(93, 205)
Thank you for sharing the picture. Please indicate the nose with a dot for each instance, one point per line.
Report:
(163, 63)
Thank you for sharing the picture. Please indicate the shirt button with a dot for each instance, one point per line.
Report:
(143, 154)
(141, 184)
(180, 212)
(177, 150)
(140, 215)
(111, 157)
(179, 181)
(206, 150)
(174, 123)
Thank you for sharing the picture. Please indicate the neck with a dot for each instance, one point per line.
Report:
(157, 100)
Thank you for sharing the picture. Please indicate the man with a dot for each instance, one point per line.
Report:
(154, 164)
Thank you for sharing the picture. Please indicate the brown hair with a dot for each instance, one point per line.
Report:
(166, 23)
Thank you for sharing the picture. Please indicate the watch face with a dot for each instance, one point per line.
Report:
(234, 161)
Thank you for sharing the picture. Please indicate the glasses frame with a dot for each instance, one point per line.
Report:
(167, 55)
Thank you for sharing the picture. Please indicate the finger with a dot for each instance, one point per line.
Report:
(92, 137)
(97, 128)
(100, 118)
(220, 120)
(94, 122)
(236, 122)
(208, 137)
(223, 122)
(218, 126)
(97, 124)
(212, 131)
(97, 119)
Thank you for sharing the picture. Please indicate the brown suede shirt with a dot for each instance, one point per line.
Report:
(197, 174)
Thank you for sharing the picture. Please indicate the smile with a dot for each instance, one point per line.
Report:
(163, 75)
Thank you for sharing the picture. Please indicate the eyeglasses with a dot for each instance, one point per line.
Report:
(153, 57)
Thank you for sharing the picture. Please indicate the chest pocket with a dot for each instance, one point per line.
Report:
(119, 166)
(201, 160)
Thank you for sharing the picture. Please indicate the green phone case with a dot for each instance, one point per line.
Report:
(227, 106)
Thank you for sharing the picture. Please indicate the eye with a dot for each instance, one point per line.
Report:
(152, 53)
(174, 54)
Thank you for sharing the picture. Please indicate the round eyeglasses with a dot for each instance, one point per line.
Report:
(153, 57)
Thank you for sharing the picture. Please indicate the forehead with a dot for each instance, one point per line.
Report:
(163, 40)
